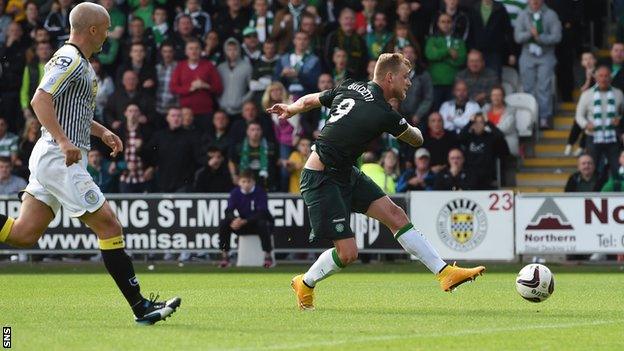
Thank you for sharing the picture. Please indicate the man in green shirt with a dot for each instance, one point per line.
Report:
(32, 76)
(332, 187)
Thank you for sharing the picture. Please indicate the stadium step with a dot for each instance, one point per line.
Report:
(550, 162)
(555, 134)
(564, 122)
(568, 106)
(541, 179)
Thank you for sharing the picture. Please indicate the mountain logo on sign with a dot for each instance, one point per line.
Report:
(549, 217)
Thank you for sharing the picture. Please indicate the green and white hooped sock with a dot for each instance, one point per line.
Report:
(416, 244)
(327, 264)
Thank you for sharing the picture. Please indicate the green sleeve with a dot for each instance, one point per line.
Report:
(608, 187)
(461, 55)
(434, 51)
(108, 56)
(24, 98)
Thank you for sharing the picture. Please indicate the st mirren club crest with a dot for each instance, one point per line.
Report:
(462, 224)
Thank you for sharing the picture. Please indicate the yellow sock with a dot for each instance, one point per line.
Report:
(112, 243)
(6, 229)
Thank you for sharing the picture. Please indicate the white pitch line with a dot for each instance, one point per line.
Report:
(419, 336)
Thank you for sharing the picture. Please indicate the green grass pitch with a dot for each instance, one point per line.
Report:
(365, 307)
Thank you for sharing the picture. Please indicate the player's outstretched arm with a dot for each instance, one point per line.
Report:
(109, 138)
(305, 103)
(44, 110)
(412, 136)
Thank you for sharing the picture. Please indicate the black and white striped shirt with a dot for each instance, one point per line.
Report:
(72, 82)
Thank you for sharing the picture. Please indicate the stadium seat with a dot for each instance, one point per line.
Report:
(510, 80)
(250, 252)
(526, 116)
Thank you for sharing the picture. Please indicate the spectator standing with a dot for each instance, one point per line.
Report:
(455, 177)
(503, 117)
(538, 30)
(201, 20)
(588, 62)
(492, 35)
(570, 13)
(212, 49)
(30, 135)
(372, 169)
(165, 97)
(420, 177)
(137, 33)
(287, 23)
(401, 38)
(182, 35)
(33, 72)
(102, 171)
(262, 20)
(459, 111)
(347, 39)
(598, 112)
(231, 21)
(379, 37)
(254, 154)
(235, 75)
(30, 23)
(9, 183)
(460, 24)
(586, 178)
(196, 82)
(310, 27)
(251, 44)
(419, 96)
(439, 141)
(314, 120)
(8, 141)
(214, 176)
(173, 154)
(263, 70)
(295, 164)
(251, 203)
(140, 64)
(128, 93)
(218, 134)
(106, 88)
(339, 72)
(617, 62)
(287, 131)
(299, 69)
(446, 54)
(250, 114)
(365, 19)
(12, 64)
(117, 18)
(161, 30)
(132, 168)
(57, 22)
(479, 79)
(615, 182)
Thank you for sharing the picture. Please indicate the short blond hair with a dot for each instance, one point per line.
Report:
(390, 63)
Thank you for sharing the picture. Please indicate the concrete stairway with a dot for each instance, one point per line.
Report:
(547, 170)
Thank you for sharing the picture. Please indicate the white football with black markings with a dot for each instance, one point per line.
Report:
(535, 282)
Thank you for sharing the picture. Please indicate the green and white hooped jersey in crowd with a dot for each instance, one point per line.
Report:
(72, 82)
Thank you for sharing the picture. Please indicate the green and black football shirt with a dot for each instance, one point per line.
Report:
(359, 113)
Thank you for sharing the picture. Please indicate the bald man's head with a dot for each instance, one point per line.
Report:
(89, 27)
(86, 15)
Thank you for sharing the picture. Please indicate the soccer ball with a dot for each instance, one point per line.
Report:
(535, 282)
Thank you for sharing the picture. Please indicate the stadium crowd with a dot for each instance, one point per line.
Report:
(185, 85)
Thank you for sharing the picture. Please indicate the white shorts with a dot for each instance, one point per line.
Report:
(56, 185)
